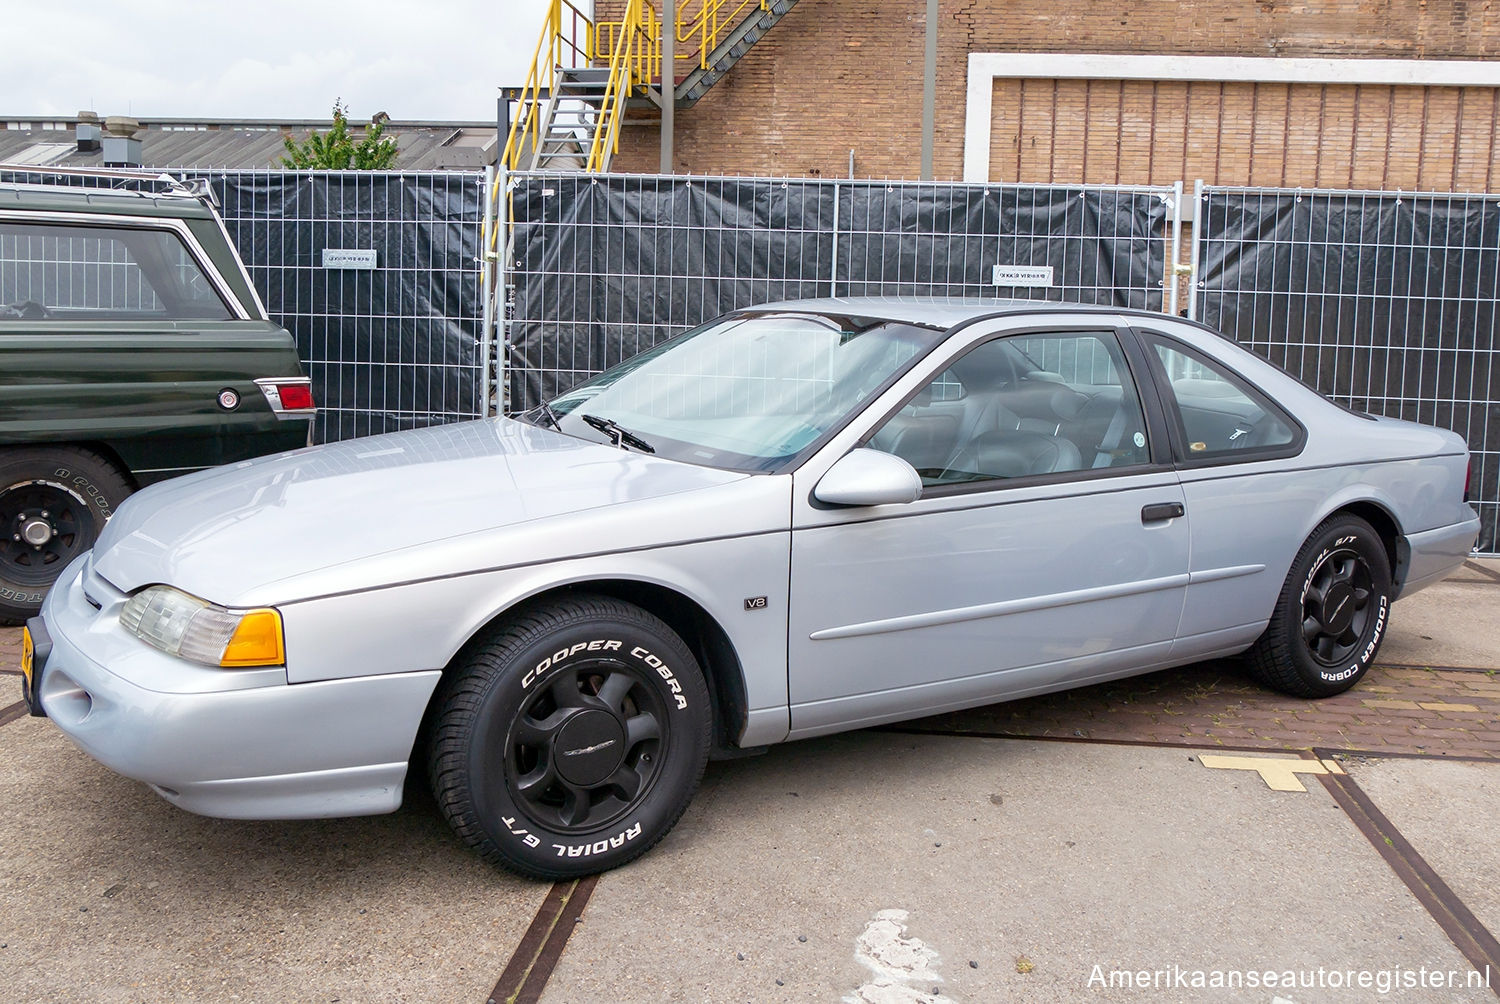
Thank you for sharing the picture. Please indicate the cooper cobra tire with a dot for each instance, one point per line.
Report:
(1332, 613)
(53, 503)
(571, 740)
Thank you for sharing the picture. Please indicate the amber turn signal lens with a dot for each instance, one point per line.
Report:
(256, 641)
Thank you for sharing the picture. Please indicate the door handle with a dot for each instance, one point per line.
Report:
(1158, 511)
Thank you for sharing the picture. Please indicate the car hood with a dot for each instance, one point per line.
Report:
(425, 502)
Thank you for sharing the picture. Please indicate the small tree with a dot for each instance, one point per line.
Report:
(337, 150)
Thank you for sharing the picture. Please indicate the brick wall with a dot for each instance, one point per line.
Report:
(836, 75)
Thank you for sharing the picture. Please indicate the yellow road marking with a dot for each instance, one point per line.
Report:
(1443, 706)
(1279, 773)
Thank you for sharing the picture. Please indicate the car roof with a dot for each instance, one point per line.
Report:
(116, 202)
(938, 311)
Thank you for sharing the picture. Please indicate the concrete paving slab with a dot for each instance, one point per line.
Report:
(109, 894)
(1020, 866)
(1454, 623)
(1446, 810)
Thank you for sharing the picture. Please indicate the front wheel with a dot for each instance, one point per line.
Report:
(1331, 615)
(53, 503)
(571, 740)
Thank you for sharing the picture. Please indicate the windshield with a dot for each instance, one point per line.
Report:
(742, 393)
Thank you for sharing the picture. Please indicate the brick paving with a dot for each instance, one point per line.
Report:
(1394, 710)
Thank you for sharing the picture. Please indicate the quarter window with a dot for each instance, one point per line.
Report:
(117, 273)
(1217, 413)
(1023, 406)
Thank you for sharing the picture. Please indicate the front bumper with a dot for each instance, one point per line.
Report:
(241, 744)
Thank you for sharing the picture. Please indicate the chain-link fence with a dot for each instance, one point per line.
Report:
(601, 267)
(1385, 301)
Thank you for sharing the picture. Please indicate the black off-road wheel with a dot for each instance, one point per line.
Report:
(1332, 613)
(53, 503)
(571, 740)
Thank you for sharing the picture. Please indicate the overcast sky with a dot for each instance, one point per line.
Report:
(286, 59)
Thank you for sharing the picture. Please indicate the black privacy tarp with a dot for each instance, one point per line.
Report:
(388, 348)
(1383, 301)
(603, 267)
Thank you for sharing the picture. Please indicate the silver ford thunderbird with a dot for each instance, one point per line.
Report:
(796, 519)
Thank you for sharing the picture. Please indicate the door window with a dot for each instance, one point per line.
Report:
(117, 273)
(1023, 406)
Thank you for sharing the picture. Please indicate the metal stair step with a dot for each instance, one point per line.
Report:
(583, 74)
(741, 39)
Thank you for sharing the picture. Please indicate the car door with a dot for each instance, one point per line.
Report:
(1048, 548)
(1230, 442)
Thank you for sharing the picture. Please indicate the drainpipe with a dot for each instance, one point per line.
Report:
(929, 89)
(668, 80)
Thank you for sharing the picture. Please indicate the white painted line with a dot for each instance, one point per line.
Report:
(903, 969)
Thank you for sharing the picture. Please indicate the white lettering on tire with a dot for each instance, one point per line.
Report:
(598, 846)
(1369, 649)
(597, 645)
(609, 645)
(664, 672)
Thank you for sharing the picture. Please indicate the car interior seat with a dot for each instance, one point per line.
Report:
(922, 437)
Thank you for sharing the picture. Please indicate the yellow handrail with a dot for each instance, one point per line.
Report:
(634, 59)
(559, 46)
(710, 22)
(707, 21)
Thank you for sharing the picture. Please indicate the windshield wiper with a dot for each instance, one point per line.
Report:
(618, 436)
(545, 413)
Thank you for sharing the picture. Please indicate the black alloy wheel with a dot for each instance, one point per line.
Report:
(570, 738)
(586, 747)
(1331, 614)
(1336, 605)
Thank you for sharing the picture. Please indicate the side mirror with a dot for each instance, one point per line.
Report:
(869, 477)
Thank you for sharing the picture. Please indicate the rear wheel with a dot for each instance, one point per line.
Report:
(1331, 615)
(53, 503)
(571, 740)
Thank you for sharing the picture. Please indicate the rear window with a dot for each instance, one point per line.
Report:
(91, 272)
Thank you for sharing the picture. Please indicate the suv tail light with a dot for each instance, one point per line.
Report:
(289, 397)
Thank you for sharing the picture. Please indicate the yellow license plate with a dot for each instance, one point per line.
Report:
(28, 654)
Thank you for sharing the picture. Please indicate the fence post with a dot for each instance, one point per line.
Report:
(486, 292)
(1193, 256)
(502, 212)
(1170, 272)
(833, 273)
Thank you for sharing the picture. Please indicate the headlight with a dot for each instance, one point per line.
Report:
(194, 629)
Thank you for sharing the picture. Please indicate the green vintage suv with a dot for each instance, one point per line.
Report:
(133, 348)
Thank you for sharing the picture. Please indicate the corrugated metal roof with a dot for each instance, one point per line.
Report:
(239, 145)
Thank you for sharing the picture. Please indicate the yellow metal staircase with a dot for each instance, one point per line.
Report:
(587, 77)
